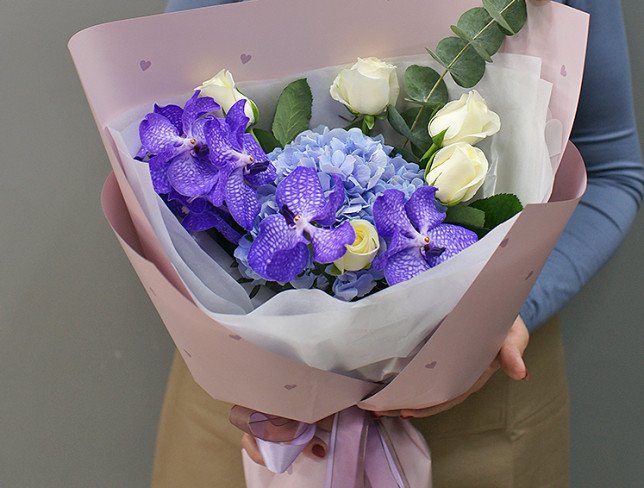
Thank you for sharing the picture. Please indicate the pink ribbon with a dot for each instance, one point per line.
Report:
(361, 454)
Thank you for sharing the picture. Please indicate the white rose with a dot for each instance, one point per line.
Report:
(363, 251)
(368, 87)
(222, 88)
(458, 171)
(466, 120)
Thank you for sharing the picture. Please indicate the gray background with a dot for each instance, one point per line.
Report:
(83, 355)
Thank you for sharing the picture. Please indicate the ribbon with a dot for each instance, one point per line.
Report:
(360, 451)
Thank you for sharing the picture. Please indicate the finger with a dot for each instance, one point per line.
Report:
(387, 413)
(250, 446)
(511, 353)
(316, 449)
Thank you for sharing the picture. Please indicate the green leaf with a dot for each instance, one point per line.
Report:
(461, 60)
(477, 27)
(511, 15)
(334, 271)
(397, 122)
(420, 139)
(369, 123)
(253, 293)
(406, 154)
(293, 111)
(424, 85)
(469, 217)
(498, 208)
(266, 140)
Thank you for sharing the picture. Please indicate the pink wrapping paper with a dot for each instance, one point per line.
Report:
(125, 64)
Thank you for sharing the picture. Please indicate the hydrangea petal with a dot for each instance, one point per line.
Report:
(389, 213)
(191, 176)
(275, 236)
(157, 133)
(242, 201)
(405, 265)
(327, 216)
(330, 244)
(173, 113)
(421, 209)
(301, 193)
(452, 238)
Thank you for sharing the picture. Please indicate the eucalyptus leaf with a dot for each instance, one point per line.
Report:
(511, 15)
(469, 217)
(477, 27)
(424, 85)
(293, 112)
(461, 60)
(266, 140)
(397, 122)
(498, 208)
(419, 136)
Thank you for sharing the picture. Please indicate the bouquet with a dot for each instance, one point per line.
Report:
(339, 233)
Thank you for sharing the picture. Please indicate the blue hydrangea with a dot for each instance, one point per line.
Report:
(366, 167)
(364, 164)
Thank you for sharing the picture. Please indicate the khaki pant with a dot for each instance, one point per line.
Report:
(509, 434)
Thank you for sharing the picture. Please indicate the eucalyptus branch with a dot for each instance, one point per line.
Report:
(448, 68)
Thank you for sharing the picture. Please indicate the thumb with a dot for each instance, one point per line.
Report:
(511, 353)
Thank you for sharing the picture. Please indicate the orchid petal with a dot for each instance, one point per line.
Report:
(157, 133)
(237, 122)
(262, 178)
(242, 201)
(327, 216)
(195, 108)
(301, 193)
(173, 113)
(211, 219)
(330, 244)
(279, 253)
(452, 238)
(405, 265)
(421, 209)
(216, 135)
(389, 213)
(159, 173)
(191, 176)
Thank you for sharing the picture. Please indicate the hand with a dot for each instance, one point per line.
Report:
(315, 449)
(509, 359)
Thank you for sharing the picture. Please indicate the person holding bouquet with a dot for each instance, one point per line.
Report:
(511, 428)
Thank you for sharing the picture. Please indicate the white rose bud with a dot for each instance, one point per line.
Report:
(466, 120)
(368, 87)
(458, 171)
(221, 88)
(363, 251)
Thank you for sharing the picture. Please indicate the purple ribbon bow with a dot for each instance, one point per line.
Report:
(361, 454)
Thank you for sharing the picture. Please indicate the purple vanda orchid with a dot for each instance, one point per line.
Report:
(416, 237)
(238, 166)
(281, 250)
(198, 214)
(174, 137)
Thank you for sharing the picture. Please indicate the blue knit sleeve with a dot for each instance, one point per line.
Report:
(605, 133)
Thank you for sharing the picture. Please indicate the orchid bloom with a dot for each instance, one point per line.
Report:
(416, 237)
(281, 250)
(174, 137)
